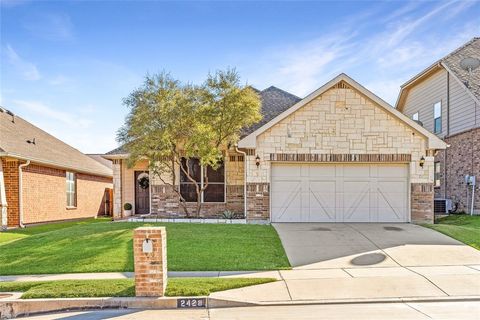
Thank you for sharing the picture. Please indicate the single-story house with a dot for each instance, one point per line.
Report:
(341, 154)
(43, 179)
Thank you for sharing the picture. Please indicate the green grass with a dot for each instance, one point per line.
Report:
(124, 287)
(462, 227)
(107, 247)
(16, 234)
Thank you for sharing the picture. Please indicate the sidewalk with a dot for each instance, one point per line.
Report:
(125, 275)
(307, 286)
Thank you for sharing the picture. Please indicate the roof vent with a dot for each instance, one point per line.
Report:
(469, 64)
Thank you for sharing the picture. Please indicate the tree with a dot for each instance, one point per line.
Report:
(171, 123)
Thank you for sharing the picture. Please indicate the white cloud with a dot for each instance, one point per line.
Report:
(27, 69)
(45, 111)
(50, 26)
(410, 39)
(59, 80)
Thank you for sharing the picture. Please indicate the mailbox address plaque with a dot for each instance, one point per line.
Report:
(192, 303)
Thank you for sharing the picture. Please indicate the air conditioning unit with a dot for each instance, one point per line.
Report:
(442, 206)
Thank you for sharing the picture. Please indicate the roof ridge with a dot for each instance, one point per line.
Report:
(279, 89)
(459, 48)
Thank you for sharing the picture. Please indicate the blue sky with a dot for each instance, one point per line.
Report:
(66, 65)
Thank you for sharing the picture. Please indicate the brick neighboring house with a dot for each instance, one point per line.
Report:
(341, 154)
(445, 98)
(42, 179)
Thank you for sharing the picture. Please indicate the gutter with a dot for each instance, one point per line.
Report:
(20, 192)
(245, 167)
(55, 165)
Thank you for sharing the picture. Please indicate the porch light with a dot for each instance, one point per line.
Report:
(257, 161)
(422, 161)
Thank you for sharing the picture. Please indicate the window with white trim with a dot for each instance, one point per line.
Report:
(215, 191)
(71, 180)
(437, 117)
(415, 116)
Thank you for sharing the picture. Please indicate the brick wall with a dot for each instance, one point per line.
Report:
(150, 268)
(45, 199)
(422, 202)
(258, 201)
(462, 158)
(10, 174)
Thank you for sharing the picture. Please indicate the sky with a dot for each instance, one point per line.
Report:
(67, 65)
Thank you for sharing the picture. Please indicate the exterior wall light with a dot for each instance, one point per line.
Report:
(422, 161)
(257, 161)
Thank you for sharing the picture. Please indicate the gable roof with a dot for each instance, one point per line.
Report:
(433, 141)
(99, 157)
(451, 63)
(47, 150)
(273, 102)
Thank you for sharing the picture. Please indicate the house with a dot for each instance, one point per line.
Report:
(42, 179)
(341, 154)
(445, 98)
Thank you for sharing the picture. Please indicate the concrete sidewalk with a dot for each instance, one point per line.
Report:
(299, 286)
(125, 275)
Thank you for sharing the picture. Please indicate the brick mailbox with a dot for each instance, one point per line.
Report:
(150, 259)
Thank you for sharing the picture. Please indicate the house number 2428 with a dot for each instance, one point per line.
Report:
(191, 303)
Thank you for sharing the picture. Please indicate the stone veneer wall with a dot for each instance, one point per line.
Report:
(462, 158)
(340, 121)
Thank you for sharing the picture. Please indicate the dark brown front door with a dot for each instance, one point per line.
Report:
(142, 192)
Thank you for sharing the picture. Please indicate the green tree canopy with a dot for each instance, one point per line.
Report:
(169, 120)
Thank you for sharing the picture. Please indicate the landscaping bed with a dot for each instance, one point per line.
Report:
(124, 287)
(101, 246)
(463, 227)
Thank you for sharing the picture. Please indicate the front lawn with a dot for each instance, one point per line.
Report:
(464, 228)
(124, 287)
(107, 247)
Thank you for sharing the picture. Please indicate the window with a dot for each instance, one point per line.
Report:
(437, 117)
(215, 191)
(436, 174)
(71, 189)
(415, 116)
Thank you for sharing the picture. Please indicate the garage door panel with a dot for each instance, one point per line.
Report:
(322, 201)
(340, 193)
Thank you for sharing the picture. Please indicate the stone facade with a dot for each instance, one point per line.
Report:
(150, 267)
(44, 194)
(341, 121)
(164, 201)
(460, 159)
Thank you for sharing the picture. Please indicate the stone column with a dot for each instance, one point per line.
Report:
(150, 259)
(117, 188)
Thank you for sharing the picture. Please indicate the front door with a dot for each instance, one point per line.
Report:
(142, 192)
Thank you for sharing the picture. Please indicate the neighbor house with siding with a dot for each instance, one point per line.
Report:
(341, 154)
(445, 99)
(43, 179)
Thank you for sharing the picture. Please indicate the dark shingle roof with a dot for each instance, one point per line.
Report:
(274, 101)
(452, 61)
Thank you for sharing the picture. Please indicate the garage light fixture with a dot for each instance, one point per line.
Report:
(422, 161)
(257, 161)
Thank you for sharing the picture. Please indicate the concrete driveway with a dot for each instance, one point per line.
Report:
(359, 245)
(358, 262)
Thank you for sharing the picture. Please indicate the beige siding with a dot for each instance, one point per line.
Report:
(463, 115)
(424, 95)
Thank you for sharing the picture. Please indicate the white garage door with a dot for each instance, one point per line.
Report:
(339, 193)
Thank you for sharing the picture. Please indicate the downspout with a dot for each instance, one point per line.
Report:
(245, 167)
(20, 192)
(445, 158)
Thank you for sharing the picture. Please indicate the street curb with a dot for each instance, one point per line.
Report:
(346, 301)
(11, 308)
